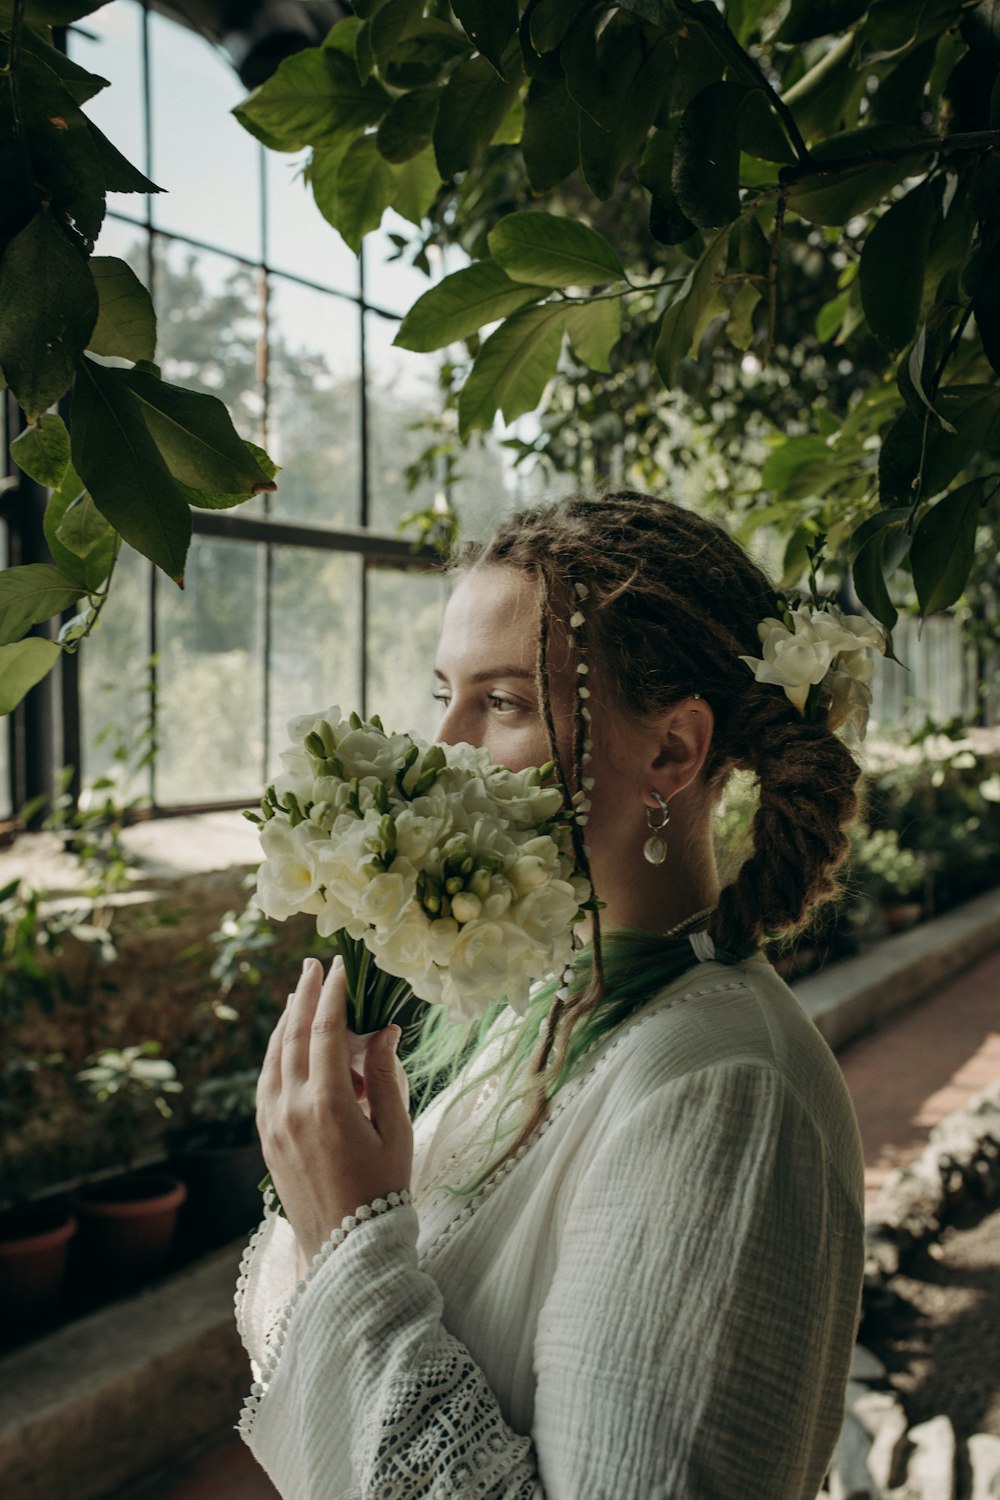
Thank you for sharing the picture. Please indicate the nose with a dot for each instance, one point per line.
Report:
(449, 731)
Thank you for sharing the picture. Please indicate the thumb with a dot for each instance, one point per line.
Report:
(387, 1108)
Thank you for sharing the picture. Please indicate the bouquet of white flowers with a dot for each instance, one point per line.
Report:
(438, 874)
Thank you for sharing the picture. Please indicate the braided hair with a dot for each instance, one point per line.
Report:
(672, 604)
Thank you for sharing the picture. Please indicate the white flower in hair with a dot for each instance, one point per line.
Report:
(820, 656)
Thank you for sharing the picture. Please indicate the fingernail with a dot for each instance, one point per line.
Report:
(394, 1035)
(338, 962)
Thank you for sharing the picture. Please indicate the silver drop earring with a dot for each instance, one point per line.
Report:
(654, 850)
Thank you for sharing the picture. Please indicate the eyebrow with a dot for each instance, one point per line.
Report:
(527, 673)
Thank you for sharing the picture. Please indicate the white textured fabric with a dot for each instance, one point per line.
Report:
(658, 1301)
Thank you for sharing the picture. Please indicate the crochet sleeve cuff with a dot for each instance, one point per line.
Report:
(366, 1353)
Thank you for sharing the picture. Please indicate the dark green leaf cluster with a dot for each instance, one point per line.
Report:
(140, 452)
(755, 136)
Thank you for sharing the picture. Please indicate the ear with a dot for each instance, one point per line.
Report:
(683, 735)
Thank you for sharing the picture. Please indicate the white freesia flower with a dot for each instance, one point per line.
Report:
(456, 875)
(821, 646)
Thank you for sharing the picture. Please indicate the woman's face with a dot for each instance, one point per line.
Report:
(485, 670)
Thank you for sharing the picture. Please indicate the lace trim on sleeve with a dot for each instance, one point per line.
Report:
(266, 1358)
(439, 1433)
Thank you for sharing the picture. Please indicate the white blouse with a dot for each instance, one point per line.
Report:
(656, 1301)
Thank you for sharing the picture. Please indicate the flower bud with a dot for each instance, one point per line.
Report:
(315, 746)
(454, 884)
(479, 885)
(465, 907)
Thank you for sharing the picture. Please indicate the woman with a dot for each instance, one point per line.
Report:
(632, 1262)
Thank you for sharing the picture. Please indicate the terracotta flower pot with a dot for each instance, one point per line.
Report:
(224, 1198)
(34, 1244)
(127, 1227)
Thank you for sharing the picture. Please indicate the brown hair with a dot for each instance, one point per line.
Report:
(672, 603)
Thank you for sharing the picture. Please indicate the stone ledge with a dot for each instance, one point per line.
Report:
(120, 1393)
(854, 996)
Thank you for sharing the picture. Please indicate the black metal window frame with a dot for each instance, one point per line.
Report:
(44, 733)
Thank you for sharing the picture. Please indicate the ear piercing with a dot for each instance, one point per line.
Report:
(654, 850)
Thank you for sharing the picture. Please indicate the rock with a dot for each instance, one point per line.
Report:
(984, 1464)
(930, 1472)
(850, 1477)
(889, 1450)
(872, 1408)
(865, 1365)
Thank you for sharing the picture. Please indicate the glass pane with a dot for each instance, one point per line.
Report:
(109, 43)
(202, 156)
(315, 637)
(114, 680)
(402, 402)
(404, 621)
(314, 404)
(211, 676)
(391, 281)
(208, 331)
(299, 240)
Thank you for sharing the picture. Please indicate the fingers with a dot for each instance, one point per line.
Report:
(298, 1022)
(329, 1049)
(388, 1111)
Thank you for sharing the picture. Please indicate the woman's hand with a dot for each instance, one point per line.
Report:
(325, 1156)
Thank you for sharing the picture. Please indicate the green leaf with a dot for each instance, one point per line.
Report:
(831, 315)
(593, 329)
(707, 155)
(65, 162)
(634, 77)
(970, 414)
(513, 367)
(511, 126)
(807, 19)
(83, 530)
(391, 24)
(126, 322)
(664, 13)
(219, 501)
(944, 547)
(408, 127)
(21, 666)
(417, 186)
(120, 176)
(550, 140)
(667, 221)
(80, 84)
(936, 331)
(121, 466)
(799, 467)
(461, 304)
(489, 24)
(473, 105)
(894, 26)
(48, 308)
(739, 327)
(552, 250)
(893, 263)
(355, 194)
(20, 198)
(868, 574)
(549, 21)
(30, 595)
(42, 451)
(835, 193)
(313, 96)
(195, 435)
(986, 307)
(697, 301)
(93, 568)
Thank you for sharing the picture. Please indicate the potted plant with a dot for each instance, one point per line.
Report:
(217, 1154)
(128, 1219)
